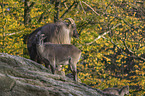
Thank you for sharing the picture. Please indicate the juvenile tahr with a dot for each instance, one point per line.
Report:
(57, 54)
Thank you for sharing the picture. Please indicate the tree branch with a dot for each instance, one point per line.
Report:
(27, 9)
(131, 52)
(100, 36)
(82, 7)
(32, 4)
(57, 4)
(68, 9)
(41, 17)
(91, 8)
(9, 34)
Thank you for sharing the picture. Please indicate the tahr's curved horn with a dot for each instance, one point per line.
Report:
(71, 20)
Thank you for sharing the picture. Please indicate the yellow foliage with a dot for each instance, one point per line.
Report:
(101, 60)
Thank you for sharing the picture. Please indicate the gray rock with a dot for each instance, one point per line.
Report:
(23, 77)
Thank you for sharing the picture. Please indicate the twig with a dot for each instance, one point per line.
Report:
(91, 8)
(68, 9)
(65, 6)
(9, 34)
(100, 36)
(41, 17)
(134, 55)
(82, 7)
(130, 51)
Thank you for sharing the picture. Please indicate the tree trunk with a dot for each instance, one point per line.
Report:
(56, 15)
(27, 9)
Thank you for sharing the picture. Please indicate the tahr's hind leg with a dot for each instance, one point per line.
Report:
(73, 68)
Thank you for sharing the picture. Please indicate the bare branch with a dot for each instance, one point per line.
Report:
(65, 6)
(100, 36)
(91, 8)
(32, 4)
(130, 51)
(68, 9)
(82, 7)
(27, 9)
(41, 17)
(57, 5)
(9, 34)
(120, 49)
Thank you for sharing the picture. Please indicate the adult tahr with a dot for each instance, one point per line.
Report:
(57, 33)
